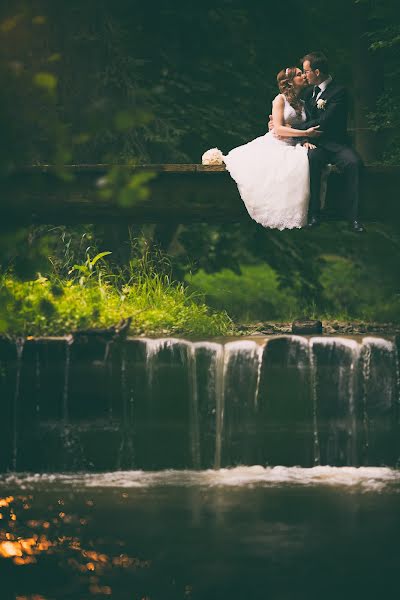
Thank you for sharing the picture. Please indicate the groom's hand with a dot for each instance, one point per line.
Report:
(309, 146)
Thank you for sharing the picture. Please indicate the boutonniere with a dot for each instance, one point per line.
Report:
(321, 104)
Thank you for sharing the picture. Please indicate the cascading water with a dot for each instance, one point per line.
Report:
(171, 403)
(236, 427)
(334, 362)
(380, 393)
(209, 361)
(19, 348)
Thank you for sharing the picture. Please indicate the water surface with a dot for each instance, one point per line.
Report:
(248, 532)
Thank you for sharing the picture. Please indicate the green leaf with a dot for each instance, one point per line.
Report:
(81, 268)
(54, 57)
(124, 120)
(98, 257)
(81, 138)
(9, 24)
(46, 81)
(39, 20)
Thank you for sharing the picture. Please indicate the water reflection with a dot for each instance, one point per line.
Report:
(48, 541)
(228, 534)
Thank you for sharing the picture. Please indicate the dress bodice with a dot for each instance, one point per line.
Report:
(290, 116)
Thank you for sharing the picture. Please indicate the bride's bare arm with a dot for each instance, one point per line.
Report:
(282, 130)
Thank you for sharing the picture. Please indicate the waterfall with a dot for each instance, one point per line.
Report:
(284, 408)
(171, 403)
(334, 389)
(313, 388)
(16, 404)
(379, 368)
(237, 421)
(209, 359)
(194, 409)
(66, 383)
(37, 382)
(168, 394)
(126, 450)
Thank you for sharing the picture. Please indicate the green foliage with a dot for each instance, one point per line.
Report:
(87, 268)
(294, 255)
(95, 296)
(254, 294)
(348, 292)
(126, 188)
(47, 81)
(384, 38)
(160, 85)
(331, 273)
(164, 85)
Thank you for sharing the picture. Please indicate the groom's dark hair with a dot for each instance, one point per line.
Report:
(317, 60)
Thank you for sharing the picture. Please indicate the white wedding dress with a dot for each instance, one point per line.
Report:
(272, 176)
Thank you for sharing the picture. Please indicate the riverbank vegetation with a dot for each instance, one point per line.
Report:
(212, 280)
(94, 296)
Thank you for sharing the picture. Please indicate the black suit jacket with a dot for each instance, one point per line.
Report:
(332, 119)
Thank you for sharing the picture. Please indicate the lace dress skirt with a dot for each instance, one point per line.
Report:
(273, 180)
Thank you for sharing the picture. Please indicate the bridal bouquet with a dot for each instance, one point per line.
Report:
(212, 157)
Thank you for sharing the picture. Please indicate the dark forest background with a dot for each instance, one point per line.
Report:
(133, 82)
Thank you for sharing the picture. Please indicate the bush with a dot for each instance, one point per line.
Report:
(252, 295)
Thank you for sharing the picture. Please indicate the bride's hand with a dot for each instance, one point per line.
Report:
(313, 132)
(309, 146)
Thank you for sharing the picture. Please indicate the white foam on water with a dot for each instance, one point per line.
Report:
(299, 339)
(378, 343)
(335, 341)
(241, 345)
(365, 479)
(153, 346)
(212, 346)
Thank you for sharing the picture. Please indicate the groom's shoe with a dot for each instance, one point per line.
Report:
(357, 227)
(313, 222)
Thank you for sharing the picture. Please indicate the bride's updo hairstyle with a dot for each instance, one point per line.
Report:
(286, 87)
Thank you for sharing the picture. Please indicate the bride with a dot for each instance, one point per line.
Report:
(272, 172)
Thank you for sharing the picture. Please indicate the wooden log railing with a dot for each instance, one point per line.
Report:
(179, 193)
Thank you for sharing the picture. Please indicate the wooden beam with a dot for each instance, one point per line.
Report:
(179, 193)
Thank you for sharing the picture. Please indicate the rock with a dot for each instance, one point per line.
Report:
(306, 326)
(329, 330)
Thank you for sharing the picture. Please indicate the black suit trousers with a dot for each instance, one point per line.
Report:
(351, 167)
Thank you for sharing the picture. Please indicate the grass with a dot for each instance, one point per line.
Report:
(91, 295)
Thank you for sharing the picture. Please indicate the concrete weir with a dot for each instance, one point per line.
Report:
(88, 404)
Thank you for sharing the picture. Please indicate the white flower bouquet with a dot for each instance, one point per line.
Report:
(212, 157)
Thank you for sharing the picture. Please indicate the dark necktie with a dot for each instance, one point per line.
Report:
(317, 90)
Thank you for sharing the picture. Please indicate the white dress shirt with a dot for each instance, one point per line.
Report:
(322, 86)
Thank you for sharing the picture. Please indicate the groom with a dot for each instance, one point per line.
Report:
(326, 105)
